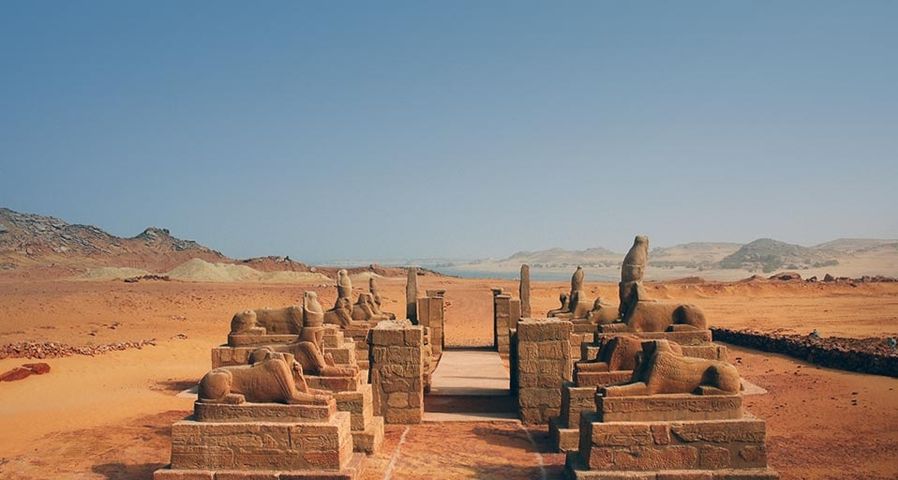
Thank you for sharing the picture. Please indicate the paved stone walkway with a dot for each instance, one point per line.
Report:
(469, 385)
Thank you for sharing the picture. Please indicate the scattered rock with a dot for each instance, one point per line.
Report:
(17, 373)
(37, 368)
(24, 371)
(151, 277)
(786, 276)
(56, 350)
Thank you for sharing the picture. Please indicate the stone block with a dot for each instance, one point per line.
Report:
(262, 445)
(544, 329)
(563, 439)
(668, 407)
(250, 340)
(602, 379)
(264, 412)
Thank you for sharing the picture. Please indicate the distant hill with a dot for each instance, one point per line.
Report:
(852, 245)
(29, 242)
(692, 255)
(767, 255)
(556, 257)
(27, 239)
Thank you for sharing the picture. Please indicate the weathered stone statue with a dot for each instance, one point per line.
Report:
(341, 313)
(364, 310)
(661, 369)
(272, 378)
(632, 270)
(524, 291)
(267, 321)
(375, 292)
(344, 284)
(307, 350)
(578, 305)
(644, 315)
(376, 301)
(602, 313)
(565, 306)
(617, 353)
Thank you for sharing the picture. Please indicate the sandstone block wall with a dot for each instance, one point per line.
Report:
(397, 371)
(543, 363)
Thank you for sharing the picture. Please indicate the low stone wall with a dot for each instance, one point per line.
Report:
(826, 352)
(543, 362)
(397, 371)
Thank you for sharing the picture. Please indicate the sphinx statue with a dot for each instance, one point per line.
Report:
(341, 313)
(645, 315)
(273, 377)
(268, 321)
(578, 306)
(618, 353)
(307, 350)
(565, 305)
(661, 369)
(364, 310)
(377, 301)
(602, 313)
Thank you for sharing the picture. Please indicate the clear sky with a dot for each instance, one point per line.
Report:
(333, 130)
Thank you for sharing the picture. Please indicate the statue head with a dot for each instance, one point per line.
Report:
(313, 314)
(364, 298)
(343, 303)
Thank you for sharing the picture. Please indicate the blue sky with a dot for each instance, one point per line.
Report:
(331, 130)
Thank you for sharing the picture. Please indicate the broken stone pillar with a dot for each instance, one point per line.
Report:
(506, 313)
(397, 371)
(431, 315)
(411, 295)
(543, 363)
(524, 292)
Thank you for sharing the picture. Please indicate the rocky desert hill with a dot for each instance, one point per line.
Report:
(36, 245)
(29, 240)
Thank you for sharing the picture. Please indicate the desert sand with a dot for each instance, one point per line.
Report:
(108, 416)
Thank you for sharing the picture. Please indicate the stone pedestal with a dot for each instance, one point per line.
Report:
(578, 396)
(506, 314)
(359, 334)
(397, 371)
(678, 436)
(262, 441)
(543, 364)
(355, 396)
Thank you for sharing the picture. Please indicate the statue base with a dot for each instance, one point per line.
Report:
(218, 441)
(678, 436)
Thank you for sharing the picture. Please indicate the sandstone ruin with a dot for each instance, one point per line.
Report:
(607, 355)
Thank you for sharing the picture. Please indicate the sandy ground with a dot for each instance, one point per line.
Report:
(109, 416)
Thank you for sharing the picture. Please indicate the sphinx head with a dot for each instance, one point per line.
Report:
(642, 241)
(313, 314)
